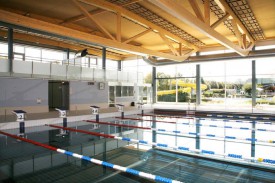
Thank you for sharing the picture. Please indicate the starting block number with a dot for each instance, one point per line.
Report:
(20, 117)
(120, 109)
(94, 111)
(62, 114)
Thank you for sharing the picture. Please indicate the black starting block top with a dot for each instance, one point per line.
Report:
(61, 109)
(19, 111)
(93, 106)
(120, 105)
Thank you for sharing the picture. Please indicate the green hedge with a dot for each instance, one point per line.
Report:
(182, 97)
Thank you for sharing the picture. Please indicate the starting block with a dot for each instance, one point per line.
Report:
(62, 112)
(20, 117)
(140, 106)
(95, 109)
(120, 107)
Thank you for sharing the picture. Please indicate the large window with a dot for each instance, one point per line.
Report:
(33, 54)
(176, 83)
(145, 71)
(265, 87)
(111, 65)
(124, 91)
(227, 83)
(52, 56)
(3, 50)
(130, 65)
(186, 90)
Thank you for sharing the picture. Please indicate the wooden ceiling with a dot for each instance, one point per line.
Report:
(171, 29)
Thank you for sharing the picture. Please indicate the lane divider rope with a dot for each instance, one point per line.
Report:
(167, 146)
(216, 126)
(96, 161)
(211, 119)
(178, 132)
(214, 115)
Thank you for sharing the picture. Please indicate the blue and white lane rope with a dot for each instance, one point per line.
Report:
(228, 127)
(119, 168)
(178, 132)
(224, 126)
(236, 121)
(96, 161)
(201, 151)
(210, 119)
(164, 146)
(206, 135)
(241, 117)
(214, 115)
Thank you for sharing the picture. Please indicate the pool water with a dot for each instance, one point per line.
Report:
(23, 162)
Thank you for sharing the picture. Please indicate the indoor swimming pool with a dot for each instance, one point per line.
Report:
(186, 149)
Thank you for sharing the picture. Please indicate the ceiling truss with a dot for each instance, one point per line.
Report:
(180, 44)
(166, 36)
(201, 23)
(37, 24)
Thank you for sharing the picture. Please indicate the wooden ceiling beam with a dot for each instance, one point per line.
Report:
(137, 36)
(93, 13)
(237, 32)
(244, 41)
(218, 22)
(54, 43)
(58, 30)
(207, 12)
(196, 9)
(114, 8)
(118, 26)
(92, 19)
(180, 49)
(81, 17)
(177, 10)
(238, 21)
(169, 44)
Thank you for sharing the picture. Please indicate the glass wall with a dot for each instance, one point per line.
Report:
(166, 88)
(40, 54)
(265, 87)
(227, 83)
(176, 83)
(223, 83)
(238, 83)
(213, 77)
(111, 65)
(186, 90)
(3, 50)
